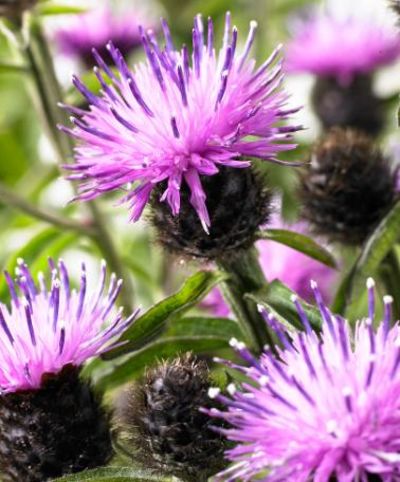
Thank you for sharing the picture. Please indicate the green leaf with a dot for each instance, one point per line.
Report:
(111, 375)
(152, 323)
(374, 251)
(276, 297)
(301, 243)
(113, 474)
(59, 9)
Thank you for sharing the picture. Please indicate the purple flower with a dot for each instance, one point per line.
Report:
(171, 120)
(326, 45)
(95, 28)
(327, 409)
(44, 329)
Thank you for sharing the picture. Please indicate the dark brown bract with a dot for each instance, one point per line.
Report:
(58, 429)
(348, 187)
(166, 428)
(238, 202)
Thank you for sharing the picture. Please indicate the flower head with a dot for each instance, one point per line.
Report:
(93, 29)
(170, 121)
(327, 409)
(331, 45)
(161, 417)
(45, 329)
(348, 187)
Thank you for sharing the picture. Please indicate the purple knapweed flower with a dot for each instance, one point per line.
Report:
(171, 120)
(327, 409)
(44, 329)
(326, 44)
(93, 29)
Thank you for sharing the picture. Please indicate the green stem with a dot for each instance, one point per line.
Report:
(246, 276)
(50, 95)
(9, 198)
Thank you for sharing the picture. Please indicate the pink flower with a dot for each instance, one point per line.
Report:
(45, 329)
(326, 409)
(93, 29)
(326, 45)
(171, 120)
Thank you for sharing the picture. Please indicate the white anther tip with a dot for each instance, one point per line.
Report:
(388, 300)
(213, 392)
(231, 388)
(370, 283)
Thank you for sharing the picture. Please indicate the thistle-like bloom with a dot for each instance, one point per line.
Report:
(45, 329)
(171, 120)
(93, 29)
(331, 46)
(326, 410)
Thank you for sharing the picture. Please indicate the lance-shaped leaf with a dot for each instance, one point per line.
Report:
(115, 474)
(150, 325)
(300, 243)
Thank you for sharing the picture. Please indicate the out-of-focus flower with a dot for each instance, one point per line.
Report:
(327, 45)
(162, 418)
(51, 421)
(97, 27)
(327, 409)
(348, 187)
(170, 121)
(343, 52)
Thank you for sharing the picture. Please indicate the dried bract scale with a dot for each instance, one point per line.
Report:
(325, 410)
(51, 421)
(166, 428)
(348, 187)
(171, 120)
(238, 202)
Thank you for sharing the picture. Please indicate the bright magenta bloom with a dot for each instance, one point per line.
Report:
(326, 45)
(173, 119)
(327, 410)
(45, 329)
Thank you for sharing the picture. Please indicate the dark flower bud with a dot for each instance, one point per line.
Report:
(57, 429)
(162, 418)
(14, 8)
(347, 188)
(238, 202)
(353, 104)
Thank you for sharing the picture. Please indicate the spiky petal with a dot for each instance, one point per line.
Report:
(327, 409)
(45, 329)
(175, 121)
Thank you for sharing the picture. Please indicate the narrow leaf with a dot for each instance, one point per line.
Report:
(113, 474)
(301, 243)
(374, 251)
(151, 324)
